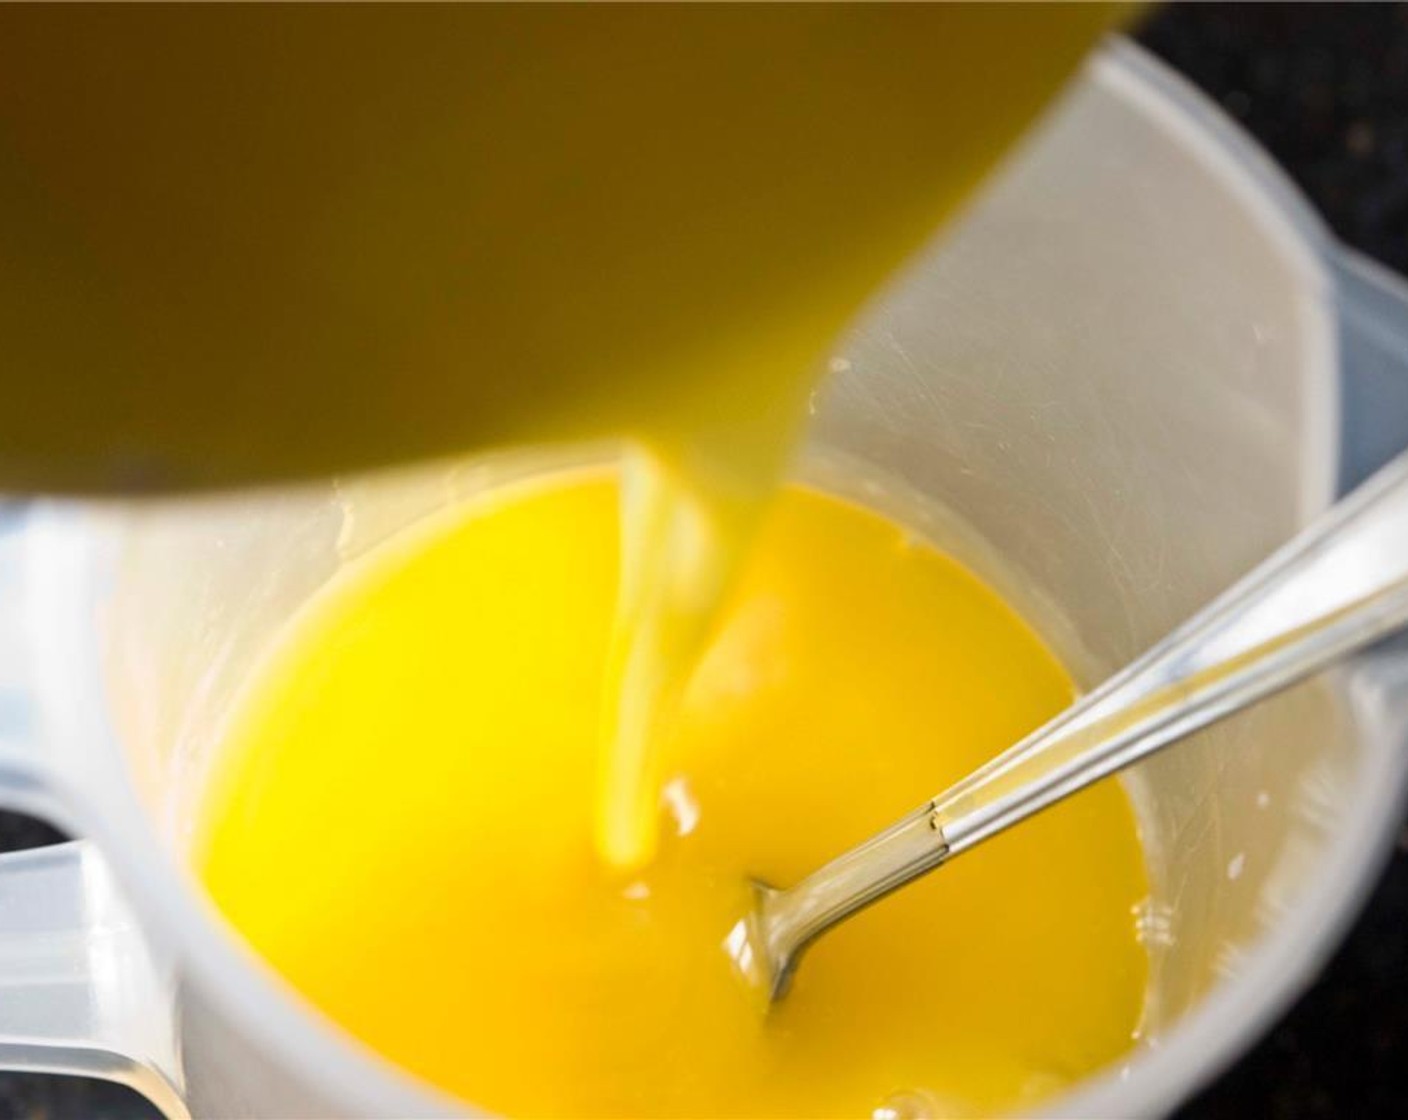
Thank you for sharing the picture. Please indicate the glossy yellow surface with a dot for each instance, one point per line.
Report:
(402, 824)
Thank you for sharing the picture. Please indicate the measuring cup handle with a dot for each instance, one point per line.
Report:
(77, 979)
(81, 991)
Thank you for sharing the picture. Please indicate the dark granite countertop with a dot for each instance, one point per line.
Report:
(1325, 89)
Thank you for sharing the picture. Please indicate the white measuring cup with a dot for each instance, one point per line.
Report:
(1111, 391)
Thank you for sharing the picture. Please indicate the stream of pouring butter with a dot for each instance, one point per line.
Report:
(683, 541)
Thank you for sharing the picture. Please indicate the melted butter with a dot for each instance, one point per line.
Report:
(402, 824)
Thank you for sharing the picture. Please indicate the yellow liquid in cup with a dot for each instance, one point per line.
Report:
(402, 824)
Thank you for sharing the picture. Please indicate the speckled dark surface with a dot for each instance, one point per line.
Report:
(1325, 88)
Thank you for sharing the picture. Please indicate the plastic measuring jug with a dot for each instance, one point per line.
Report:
(1113, 388)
